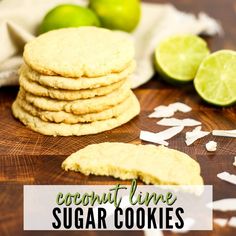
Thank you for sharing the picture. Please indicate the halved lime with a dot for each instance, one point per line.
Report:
(177, 58)
(215, 81)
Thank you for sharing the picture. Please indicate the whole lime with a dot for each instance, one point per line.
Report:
(117, 14)
(68, 15)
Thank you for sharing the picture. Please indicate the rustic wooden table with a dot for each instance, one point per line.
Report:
(30, 158)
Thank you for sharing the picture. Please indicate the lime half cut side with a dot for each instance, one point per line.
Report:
(178, 57)
(215, 81)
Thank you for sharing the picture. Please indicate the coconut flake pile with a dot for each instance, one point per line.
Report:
(178, 125)
(166, 113)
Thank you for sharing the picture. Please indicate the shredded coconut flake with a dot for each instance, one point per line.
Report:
(232, 222)
(234, 161)
(179, 106)
(178, 122)
(160, 108)
(162, 113)
(225, 133)
(153, 232)
(220, 221)
(211, 146)
(227, 177)
(161, 136)
(168, 111)
(152, 137)
(228, 204)
(169, 133)
(194, 135)
(193, 132)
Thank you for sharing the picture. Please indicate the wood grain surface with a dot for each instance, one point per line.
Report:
(30, 158)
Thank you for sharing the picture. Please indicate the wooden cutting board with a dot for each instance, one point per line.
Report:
(27, 157)
(30, 158)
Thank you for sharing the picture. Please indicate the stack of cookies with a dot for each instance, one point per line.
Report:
(76, 82)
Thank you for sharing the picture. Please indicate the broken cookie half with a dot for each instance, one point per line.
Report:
(152, 164)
